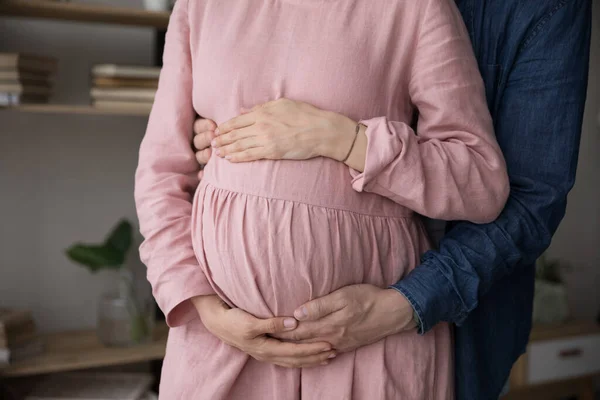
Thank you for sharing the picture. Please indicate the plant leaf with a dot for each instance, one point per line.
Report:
(96, 257)
(120, 237)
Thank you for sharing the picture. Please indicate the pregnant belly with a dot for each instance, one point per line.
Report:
(319, 181)
(268, 256)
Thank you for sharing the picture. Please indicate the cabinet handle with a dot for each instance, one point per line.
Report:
(569, 353)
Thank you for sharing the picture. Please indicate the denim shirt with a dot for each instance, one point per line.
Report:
(533, 56)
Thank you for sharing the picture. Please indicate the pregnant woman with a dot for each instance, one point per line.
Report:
(268, 235)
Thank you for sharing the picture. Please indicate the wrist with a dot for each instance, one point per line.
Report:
(202, 304)
(339, 135)
(399, 310)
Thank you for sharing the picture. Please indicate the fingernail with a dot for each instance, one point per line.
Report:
(327, 349)
(218, 152)
(213, 143)
(332, 356)
(228, 157)
(217, 131)
(325, 363)
(301, 313)
(289, 323)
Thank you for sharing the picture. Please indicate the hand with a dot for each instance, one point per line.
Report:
(284, 130)
(204, 133)
(249, 334)
(352, 317)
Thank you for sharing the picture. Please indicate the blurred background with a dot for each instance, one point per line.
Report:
(66, 178)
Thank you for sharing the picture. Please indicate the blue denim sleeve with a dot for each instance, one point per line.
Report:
(538, 125)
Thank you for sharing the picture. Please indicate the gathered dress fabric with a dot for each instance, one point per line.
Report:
(267, 236)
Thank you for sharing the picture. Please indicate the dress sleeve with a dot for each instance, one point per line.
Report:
(538, 123)
(451, 168)
(166, 179)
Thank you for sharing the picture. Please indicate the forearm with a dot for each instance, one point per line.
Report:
(448, 284)
(538, 127)
(451, 166)
(165, 180)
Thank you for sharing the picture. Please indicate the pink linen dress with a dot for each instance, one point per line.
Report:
(267, 236)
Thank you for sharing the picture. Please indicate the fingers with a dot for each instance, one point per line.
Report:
(319, 308)
(274, 325)
(203, 139)
(203, 156)
(277, 348)
(225, 139)
(307, 331)
(238, 122)
(237, 147)
(202, 125)
(292, 355)
(202, 142)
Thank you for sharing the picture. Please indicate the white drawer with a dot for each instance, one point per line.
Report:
(561, 359)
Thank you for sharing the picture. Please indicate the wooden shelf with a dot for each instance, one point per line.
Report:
(84, 13)
(77, 109)
(565, 330)
(81, 350)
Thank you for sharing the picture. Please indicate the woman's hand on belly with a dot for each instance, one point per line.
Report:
(285, 130)
(249, 334)
(352, 317)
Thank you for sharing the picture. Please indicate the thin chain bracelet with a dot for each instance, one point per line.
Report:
(353, 142)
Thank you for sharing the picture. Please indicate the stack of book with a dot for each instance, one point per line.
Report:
(25, 78)
(129, 88)
(18, 336)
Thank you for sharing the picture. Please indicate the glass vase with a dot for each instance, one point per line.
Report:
(124, 317)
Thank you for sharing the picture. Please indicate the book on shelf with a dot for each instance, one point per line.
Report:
(15, 99)
(14, 76)
(11, 319)
(123, 94)
(27, 62)
(125, 83)
(124, 87)
(125, 71)
(24, 89)
(133, 106)
(31, 348)
(16, 327)
(25, 78)
(18, 336)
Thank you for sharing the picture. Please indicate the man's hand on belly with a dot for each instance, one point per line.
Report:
(249, 334)
(352, 317)
(204, 133)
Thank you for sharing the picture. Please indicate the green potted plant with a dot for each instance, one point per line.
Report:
(123, 319)
(550, 300)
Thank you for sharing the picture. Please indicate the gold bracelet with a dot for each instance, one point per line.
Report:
(353, 142)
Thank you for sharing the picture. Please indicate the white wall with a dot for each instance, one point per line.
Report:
(65, 178)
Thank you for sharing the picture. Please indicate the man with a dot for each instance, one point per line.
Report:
(534, 58)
